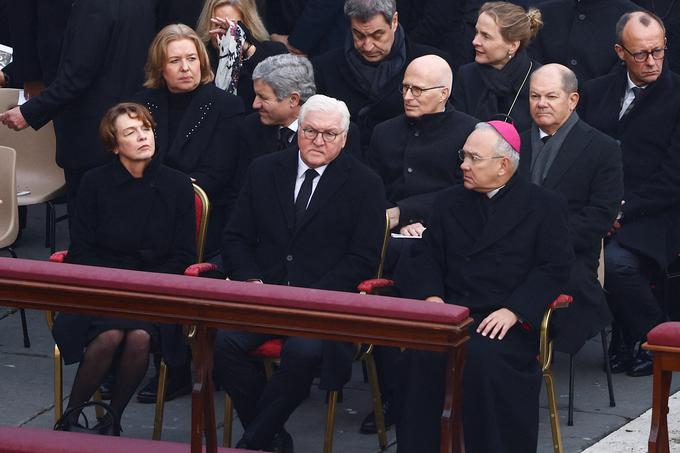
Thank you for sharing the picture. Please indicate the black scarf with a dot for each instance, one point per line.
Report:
(372, 78)
(501, 86)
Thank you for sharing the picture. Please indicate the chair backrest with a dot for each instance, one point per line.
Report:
(383, 250)
(9, 214)
(36, 169)
(202, 215)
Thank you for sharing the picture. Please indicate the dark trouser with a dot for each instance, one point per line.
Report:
(264, 407)
(628, 282)
(501, 386)
(72, 178)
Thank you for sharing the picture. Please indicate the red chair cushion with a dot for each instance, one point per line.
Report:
(562, 301)
(666, 334)
(31, 440)
(58, 257)
(198, 269)
(269, 349)
(198, 204)
(368, 286)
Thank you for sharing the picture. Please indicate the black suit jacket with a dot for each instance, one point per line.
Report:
(519, 259)
(418, 158)
(334, 78)
(205, 147)
(102, 62)
(650, 145)
(257, 139)
(580, 35)
(588, 174)
(336, 246)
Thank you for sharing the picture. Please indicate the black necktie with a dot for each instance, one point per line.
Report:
(636, 92)
(304, 195)
(545, 138)
(283, 138)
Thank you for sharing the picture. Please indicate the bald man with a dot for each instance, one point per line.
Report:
(413, 152)
(564, 154)
(639, 105)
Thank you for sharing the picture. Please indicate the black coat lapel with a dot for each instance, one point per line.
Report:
(193, 118)
(464, 212)
(572, 148)
(509, 212)
(284, 180)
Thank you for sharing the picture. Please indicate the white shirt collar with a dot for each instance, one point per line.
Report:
(493, 193)
(542, 133)
(631, 84)
(293, 126)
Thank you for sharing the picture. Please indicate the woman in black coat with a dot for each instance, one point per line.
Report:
(197, 122)
(133, 213)
(219, 16)
(497, 83)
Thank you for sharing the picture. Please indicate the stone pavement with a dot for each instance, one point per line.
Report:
(26, 394)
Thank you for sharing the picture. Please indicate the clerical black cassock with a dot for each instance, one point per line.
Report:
(510, 250)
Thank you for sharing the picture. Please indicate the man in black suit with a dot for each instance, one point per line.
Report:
(500, 246)
(282, 83)
(367, 72)
(639, 105)
(579, 34)
(311, 218)
(564, 154)
(102, 61)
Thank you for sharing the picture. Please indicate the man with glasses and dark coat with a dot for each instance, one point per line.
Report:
(498, 245)
(639, 106)
(367, 72)
(309, 217)
(564, 154)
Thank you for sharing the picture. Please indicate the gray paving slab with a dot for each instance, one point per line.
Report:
(26, 396)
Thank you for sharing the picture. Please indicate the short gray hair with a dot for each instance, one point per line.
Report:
(325, 104)
(502, 148)
(363, 10)
(286, 74)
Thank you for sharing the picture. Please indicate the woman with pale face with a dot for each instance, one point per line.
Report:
(220, 17)
(496, 85)
(133, 213)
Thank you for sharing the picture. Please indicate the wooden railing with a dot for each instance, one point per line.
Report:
(211, 304)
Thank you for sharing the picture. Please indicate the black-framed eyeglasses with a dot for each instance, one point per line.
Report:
(415, 91)
(311, 134)
(474, 158)
(643, 55)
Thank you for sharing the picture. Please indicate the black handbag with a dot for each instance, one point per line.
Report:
(109, 423)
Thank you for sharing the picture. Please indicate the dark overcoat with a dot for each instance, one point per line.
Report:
(336, 246)
(335, 79)
(102, 62)
(145, 224)
(469, 89)
(650, 148)
(257, 139)
(417, 158)
(205, 147)
(509, 252)
(587, 173)
(580, 34)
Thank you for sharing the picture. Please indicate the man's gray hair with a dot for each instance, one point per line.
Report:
(325, 104)
(364, 10)
(286, 74)
(502, 147)
(644, 17)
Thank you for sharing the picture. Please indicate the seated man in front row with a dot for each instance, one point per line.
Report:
(500, 246)
(312, 218)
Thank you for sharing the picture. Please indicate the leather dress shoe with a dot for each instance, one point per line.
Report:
(176, 385)
(620, 362)
(368, 424)
(283, 442)
(642, 365)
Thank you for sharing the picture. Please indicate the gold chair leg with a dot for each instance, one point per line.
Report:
(98, 410)
(228, 420)
(330, 422)
(268, 368)
(552, 405)
(160, 401)
(377, 399)
(58, 385)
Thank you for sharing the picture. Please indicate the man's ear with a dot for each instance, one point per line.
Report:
(294, 99)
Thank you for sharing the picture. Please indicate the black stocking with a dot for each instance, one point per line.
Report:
(132, 366)
(94, 366)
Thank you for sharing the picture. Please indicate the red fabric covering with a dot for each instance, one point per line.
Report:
(268, 350)
(31, 440)
(58, 257)
(198, 269)
(368, 286)
(665, 334)
(217, 290)
(562, 301)
(198, 203)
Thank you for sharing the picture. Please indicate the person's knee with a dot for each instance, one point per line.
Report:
(107, 342)
(138, 341)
